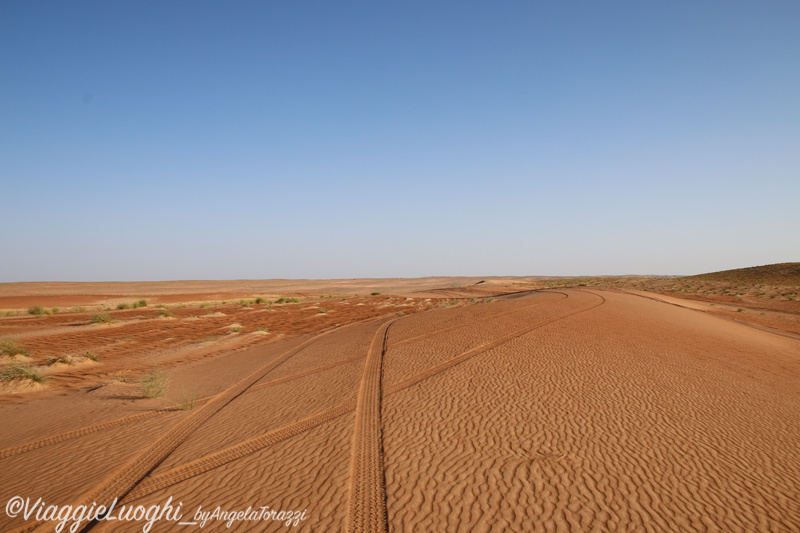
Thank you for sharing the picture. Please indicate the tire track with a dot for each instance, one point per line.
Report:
(403, 384)
(367, 498)
(200, 466)
(215, 460)
(126, 477)
(451, 328)
(88, 430)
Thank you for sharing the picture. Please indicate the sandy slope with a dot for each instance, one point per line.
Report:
(568, 410)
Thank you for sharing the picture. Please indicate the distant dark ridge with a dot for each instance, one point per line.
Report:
(777, 274)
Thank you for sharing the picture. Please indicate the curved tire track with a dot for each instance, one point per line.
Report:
(88, 430)
(200, 466)
(484, 347)
(467, 324)
(126, 477)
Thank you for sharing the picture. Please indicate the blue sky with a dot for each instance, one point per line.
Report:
(211, 140)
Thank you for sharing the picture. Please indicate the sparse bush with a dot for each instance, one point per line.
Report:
(154, 384)
(286, 300)
(165, 314)
(261, 300)
(64, 359)
(141, 303)
(376, 293)
(263, 329)
(100, 318)
(323, 311)
(55, 310)
(188, 401)
(91, 356)
(123, 306)
(204, 305)
(10, 347)
(236, 329)
(38, 310)
(21, 371)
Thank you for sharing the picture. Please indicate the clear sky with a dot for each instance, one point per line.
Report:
(295, 139)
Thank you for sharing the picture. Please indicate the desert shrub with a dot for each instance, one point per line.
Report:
(188, 401)
(91, 356)
(261, 300)
(154, 384)
(55, 310)
(21, 371)
(140, 303)
(165, 314)
(38, 310)
(376, 293)
(10, 347)
(123, 306)
(100, 318)
(286, 300)
(64, 359)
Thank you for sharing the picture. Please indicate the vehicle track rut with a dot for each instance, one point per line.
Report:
(202, 465)
(367, 497)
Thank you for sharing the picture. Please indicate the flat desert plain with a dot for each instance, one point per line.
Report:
(437, 405)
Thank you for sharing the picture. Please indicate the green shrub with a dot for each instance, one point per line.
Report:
(154, 384)
(165, 314)
(100, 318)
(10, 347)
(21, 371)
(38, 310)
(188, 401)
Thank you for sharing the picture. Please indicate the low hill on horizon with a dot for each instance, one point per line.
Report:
(776, 274)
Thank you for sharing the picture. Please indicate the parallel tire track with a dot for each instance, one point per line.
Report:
(215, 460)
(80, 432)
(482, 348)
(126, 477)
(467, 324)
(88, 430)
(200, 466)
(367, 499)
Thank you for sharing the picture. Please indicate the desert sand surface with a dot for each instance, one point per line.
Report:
(442, 405)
